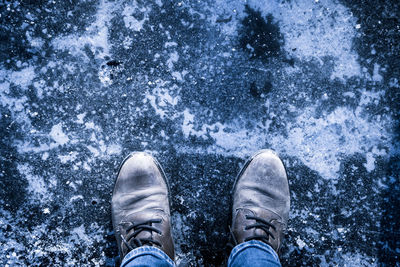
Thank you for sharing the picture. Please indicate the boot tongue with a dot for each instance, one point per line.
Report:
(145, 234)
(139, 218)
(262, 213)
(274, 219)
(258, 231)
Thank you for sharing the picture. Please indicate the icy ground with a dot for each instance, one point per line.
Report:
(201, 85)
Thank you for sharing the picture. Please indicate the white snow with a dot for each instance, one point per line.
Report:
(170, 44)
(300, 243)
(317, 30)
(96, 34)
(311, 30)
(45, 156)
(71, 156)
(177, 75)
(114, 149)
(17, 105)
(376, 76)
(163, 98)
(370, 158)
(130, 21)
(75, 198)
(173, 58)
(23, 77)
(80, 117)
(229, 138)
(81, 234)
(187, 126)
(36, 184)
(87, 167)
(319, 140)
(58, 135)
(93, 150)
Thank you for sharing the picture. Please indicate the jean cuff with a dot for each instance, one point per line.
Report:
(252, 244)
(146, 250)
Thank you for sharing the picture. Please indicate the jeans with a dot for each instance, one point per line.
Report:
(252, 253)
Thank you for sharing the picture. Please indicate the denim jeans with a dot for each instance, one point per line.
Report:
(252, 253)
(147, 256)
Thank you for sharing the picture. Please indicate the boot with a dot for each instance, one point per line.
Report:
(140, 206)
(261, 201)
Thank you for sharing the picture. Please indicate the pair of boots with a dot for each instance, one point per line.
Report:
(141, 210)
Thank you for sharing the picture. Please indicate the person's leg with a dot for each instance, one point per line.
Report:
(147, 256)
(260, 211)
(253, 253)
(141, 213)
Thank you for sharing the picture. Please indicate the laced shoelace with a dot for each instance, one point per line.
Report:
(132, 242)
(260, 224)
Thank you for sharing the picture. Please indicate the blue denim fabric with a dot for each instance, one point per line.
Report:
(253, 253)
(147, 256)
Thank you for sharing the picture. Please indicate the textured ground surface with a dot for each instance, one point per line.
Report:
(201, 85)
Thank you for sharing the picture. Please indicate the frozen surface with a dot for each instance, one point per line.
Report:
(201, 85)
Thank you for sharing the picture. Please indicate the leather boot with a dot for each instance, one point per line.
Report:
(140, 206)
(261, 201)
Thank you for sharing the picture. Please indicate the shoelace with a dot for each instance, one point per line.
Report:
(132, 242)
(263, 225)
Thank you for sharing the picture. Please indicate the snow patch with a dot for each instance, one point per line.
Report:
(229, 138)
(71, 156)
(370, 158)
(114, 149)
(332, 37)
(173, 58)
(17, 105)
(321, 142)
(300, 243)
(23, 77)
(96, 34)
(376, 76)
(36, 184)
(80, 117)
(131, 22)
(58, 135)
(311, 29)
(75, 198)
(163, 98)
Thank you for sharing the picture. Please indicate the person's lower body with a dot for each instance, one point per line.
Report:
(141, 213)
(251, 253)
(147, 256)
